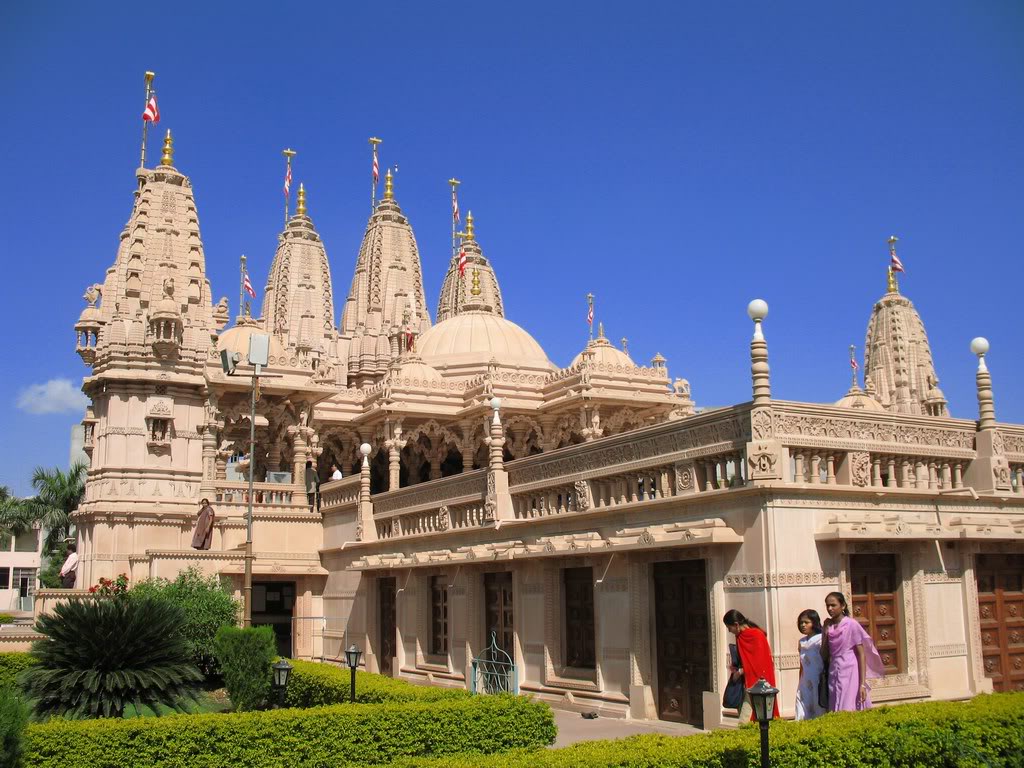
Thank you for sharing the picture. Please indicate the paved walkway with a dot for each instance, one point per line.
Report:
(572, 728)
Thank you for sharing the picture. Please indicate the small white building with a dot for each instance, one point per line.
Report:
(20, 560)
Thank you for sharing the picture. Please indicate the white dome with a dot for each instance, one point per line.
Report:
(605, 354)
(477, 337)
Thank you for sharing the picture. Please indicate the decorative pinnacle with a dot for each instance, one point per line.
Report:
(289, 153)
(374, 141)
(300, 205)
(470, 227)
(625, 345)
(893, 286)
(389, 186)
(600, 330)
(454, 182)
(168, 156)
(476, 283)
(149, 77)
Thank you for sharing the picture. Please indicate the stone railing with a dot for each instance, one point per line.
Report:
(451, 503)
(233, 495)
(340, 495)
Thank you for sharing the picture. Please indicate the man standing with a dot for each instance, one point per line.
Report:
(335, 472)
(69, 571)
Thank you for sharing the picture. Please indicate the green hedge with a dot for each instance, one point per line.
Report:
(340, 735)
(314, 685)
(11, 665)
(987, 731)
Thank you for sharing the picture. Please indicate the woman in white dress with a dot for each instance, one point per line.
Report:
(811, 665)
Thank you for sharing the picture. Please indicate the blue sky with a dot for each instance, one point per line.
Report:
(677, 159)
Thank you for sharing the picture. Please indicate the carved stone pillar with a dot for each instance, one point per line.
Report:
(435, 461)
(394, 463)
(209, 432)
(274, 457)
(298, 455)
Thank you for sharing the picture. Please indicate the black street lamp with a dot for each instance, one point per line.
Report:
(762, 699)
(352, 657)
(282, 671)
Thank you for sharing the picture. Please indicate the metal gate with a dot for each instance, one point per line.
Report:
(493, 671)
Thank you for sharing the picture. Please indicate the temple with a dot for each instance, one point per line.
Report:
(587, 520)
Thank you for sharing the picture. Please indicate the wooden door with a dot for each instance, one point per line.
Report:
(875, 580)
(498, 611)
(388, 641)
(1001, 611)
(683, 644)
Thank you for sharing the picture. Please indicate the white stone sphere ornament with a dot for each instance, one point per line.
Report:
(757, 310)
(365, 450)
(979, 346)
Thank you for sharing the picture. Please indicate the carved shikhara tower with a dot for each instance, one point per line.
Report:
(568, 510)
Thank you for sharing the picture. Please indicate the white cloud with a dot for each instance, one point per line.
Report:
(54, 396)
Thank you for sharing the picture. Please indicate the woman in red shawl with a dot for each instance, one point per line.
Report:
(755, 658)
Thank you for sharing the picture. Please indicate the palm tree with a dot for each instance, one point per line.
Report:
(58, 495)
(14, 516)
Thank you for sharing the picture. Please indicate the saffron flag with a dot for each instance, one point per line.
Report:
(854, 364)
(376, 168)
(248, 286)
(455, 206)
(462, 262)
(590, 315)
(152, 113)
(287, 181)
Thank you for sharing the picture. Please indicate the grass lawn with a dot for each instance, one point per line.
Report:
(212, 700)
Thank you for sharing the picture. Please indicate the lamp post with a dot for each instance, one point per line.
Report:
(762, 699)
(282, 671)
(352, 657)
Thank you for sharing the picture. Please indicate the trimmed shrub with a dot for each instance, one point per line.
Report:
(11, 666)
(245, 656)
(6, 618)
(340, 735)
(13, 719)
(315, 685)
(100, 656)
(208, 606)
(987, 731)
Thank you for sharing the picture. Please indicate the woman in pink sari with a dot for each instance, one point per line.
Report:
(851, 657)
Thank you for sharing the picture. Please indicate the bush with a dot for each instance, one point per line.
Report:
(245, 656)
(11, 666)
(6, 618)
(208, 606)
(100, 656)
(13, 719)
(340, 735)
(988, 731)
(314, 685)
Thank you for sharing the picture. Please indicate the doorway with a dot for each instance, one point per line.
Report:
(683, 645)
(1001, 610)
(388, 639)
(498, 611)
(272, 605)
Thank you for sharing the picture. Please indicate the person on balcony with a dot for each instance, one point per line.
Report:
(335, 472)
(312, 487)
(69, 571)
(202, 537)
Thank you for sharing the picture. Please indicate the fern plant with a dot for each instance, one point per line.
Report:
(102, 655)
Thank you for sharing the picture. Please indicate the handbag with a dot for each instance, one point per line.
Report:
(733, 696)
(823, 689)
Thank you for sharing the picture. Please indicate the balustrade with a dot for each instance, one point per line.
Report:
(264, 494)
(1017, 477)
(916, 472)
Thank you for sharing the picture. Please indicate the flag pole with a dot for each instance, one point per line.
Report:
(241, 288)
(145, 123)
(374, 141)
(455, 207)
(590, 314)
(288, 154)
(853, 364)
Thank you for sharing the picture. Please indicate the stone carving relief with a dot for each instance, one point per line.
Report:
(684, 478)
(860, 468)
(861, 429)
(444, 519)
(581, 495)
(763, 461)
(761, 424)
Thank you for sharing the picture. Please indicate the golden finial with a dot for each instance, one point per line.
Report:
(476, 282)
(625, 345)
(470, 227)
(300, 205)
(289, 153)
(600, 330)
(893, 285)
(168, 156)
(894, 261)
(389, 186)
(149, 77)
(374, 141)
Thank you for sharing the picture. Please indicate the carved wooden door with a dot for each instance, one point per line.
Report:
(875, 581)
(683, 644)
(498, 610)
(388, 644)
(1001, 612)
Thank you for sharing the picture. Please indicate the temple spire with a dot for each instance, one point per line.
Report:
(300, 204)
(168, 156)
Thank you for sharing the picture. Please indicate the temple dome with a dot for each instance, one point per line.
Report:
(412, 370)
(478, 336)
(858, 398)
(236, 339)
(604, 354)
